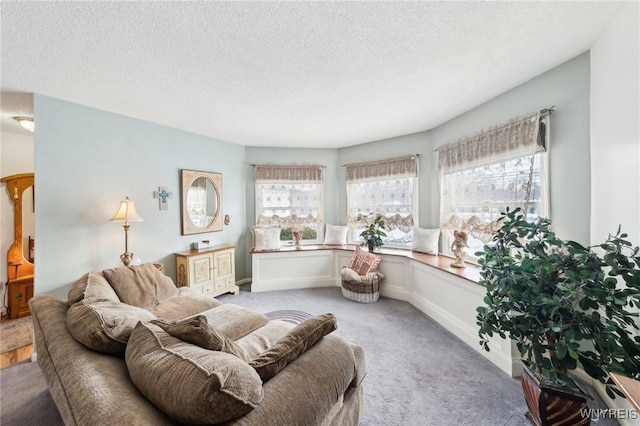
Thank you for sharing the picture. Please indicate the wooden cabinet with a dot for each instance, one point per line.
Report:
(20, 291)
(212, 270)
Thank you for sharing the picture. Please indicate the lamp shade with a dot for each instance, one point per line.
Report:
(127, 212)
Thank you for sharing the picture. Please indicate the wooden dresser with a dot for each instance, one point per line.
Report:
(19, 292)
(211, 270)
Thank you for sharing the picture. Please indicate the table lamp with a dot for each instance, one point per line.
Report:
(127, 213)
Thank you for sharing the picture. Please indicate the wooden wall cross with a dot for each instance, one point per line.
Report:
(162, 194)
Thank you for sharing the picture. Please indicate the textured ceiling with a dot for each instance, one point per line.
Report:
(321, 74)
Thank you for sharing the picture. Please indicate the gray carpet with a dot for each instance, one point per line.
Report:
(417, 372)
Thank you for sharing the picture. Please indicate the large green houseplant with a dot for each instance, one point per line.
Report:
(564, 305)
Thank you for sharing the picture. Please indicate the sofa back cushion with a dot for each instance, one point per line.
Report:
(189, 301)
(197, 331)
(104, 325)
(143, 286)
(188, 383)
(91, 285)
(235, 321)
(291, 346)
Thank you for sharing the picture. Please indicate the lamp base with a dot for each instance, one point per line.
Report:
(126, 258)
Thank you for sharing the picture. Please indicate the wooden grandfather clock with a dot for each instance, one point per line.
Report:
(19, 268)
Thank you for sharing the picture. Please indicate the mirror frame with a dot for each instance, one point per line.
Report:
(187, 177)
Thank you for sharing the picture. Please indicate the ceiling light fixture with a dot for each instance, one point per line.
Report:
(26, 123)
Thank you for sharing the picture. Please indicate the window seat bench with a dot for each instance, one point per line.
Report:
(447, 295)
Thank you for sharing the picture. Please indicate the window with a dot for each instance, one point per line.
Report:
(387, 188)
(480, 177)
(290, 197)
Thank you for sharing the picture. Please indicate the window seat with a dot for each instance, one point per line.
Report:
(447, 295)
(442, 262)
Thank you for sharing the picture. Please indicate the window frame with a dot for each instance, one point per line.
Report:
(352, 226)
(543, 202)
(320, 208)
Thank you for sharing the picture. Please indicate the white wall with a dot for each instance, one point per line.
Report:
(16, 156)
(615, 128)
(87, 161)
(615, 134)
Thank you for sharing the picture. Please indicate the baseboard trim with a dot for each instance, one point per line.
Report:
(244, 281)
(468, 335)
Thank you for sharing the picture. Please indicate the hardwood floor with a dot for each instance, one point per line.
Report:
(16, 356)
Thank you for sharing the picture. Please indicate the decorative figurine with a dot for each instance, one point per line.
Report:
(297, 239)
(457, 248)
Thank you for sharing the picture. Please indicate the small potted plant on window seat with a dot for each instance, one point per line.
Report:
(373, 232)
(565, 306)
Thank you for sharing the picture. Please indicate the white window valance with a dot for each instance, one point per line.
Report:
(295, 173)
(517, 137)
(398, 167)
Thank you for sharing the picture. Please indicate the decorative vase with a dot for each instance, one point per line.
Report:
(371, 246)
(550, 405)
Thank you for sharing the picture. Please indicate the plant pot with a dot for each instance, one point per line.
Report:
(553, 406)
(371, 246)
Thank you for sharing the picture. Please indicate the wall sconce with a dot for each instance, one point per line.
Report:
(127, 213)
(27, 123)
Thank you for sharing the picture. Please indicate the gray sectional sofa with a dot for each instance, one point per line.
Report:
(128, 347)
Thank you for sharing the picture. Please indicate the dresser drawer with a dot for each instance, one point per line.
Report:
(209, 289)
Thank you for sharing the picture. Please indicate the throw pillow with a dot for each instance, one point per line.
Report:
(91, 285)
(335, 234)
(425, 240)
(363, 262)
(291, 346)
(197, 331)
(104, 325)
(142, 286)
(266, 238)
(189, 301)
(190, 384)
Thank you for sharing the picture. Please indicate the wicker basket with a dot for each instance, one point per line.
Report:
(363, 289)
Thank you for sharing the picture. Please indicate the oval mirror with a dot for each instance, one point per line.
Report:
(202, 202)
(201, 205)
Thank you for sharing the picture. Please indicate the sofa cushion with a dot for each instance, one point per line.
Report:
(263, 338)
(197, 331)
(291, 346)
(91, 285)
(188, 383)
(425, 240)
(235, 321)
(104, 325)
(363, 262)
(187, 302)
(143, 286)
